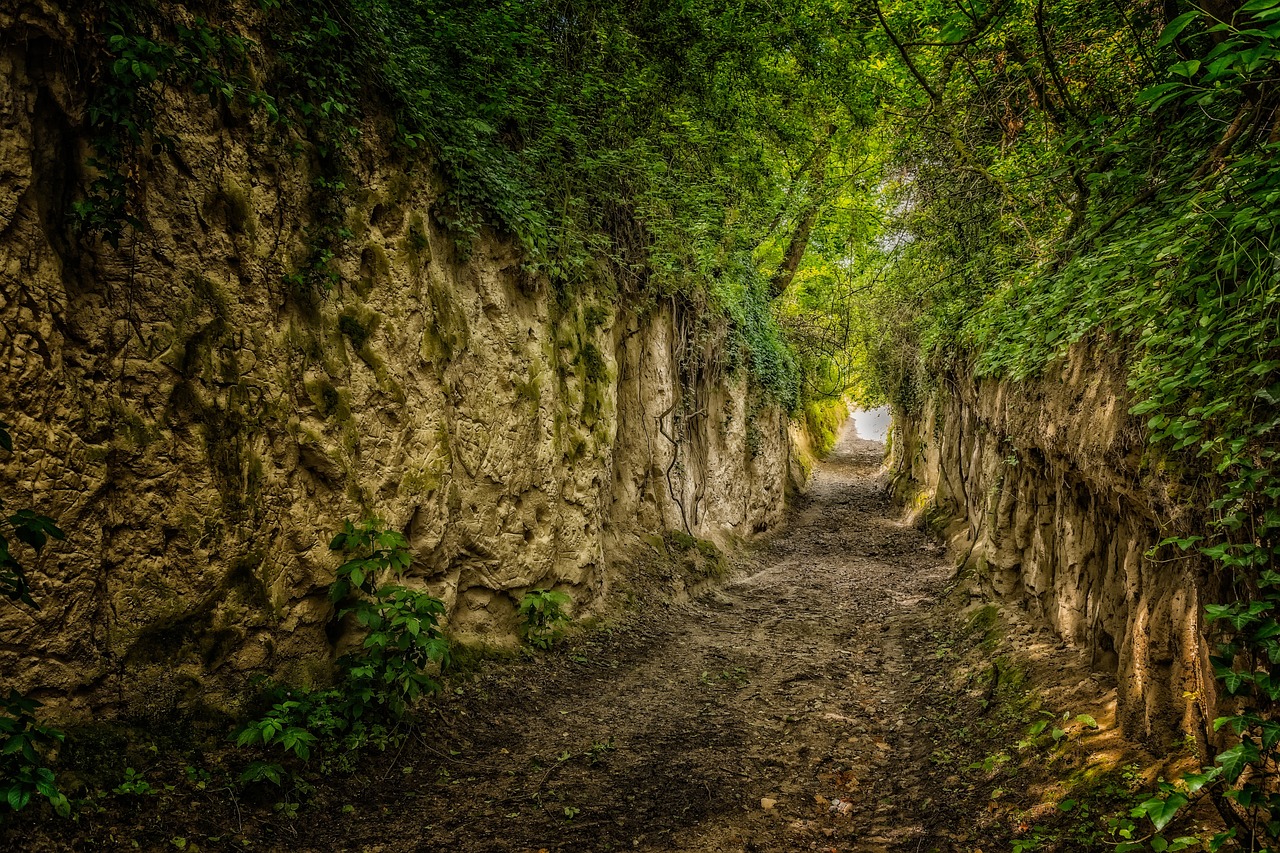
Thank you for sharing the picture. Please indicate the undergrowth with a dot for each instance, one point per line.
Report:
(542, 617)
(397, 662)
(298, 737)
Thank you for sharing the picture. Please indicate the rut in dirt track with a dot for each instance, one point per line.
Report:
(787, 710)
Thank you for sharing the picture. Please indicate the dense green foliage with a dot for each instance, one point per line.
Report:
(401, 653)
(402, 634)
(1106, 173)
(24, 743)
(663, 149)
(1010, 151)
(648, 135)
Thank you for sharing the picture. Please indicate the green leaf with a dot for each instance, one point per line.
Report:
(248, 735)
(1175, 27)
(1163, 810)
(1156, 95)
(1235, 759)
(1218, 841)
(262, 771)
(1234, 680)
(1269, 629)
(18, 798)
(34, 529)
(1195, 781)
(1214, 612)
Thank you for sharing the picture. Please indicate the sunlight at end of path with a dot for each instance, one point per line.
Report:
(872, 424)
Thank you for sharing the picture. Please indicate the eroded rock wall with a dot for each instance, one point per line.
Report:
(200, 430)
(1043, 489)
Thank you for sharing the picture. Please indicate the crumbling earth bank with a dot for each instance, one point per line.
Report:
(1048, 491)
(200, 428)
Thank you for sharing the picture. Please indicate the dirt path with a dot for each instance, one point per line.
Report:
(841, 694)
(782, 711)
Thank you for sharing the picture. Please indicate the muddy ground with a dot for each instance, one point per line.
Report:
(842, 691)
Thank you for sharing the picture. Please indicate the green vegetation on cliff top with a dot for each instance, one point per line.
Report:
(671, 149)
(1104, 174)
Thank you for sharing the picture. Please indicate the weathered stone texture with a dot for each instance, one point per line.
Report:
(200, 434)
(1043, 488)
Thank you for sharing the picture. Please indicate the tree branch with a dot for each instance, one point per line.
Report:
(784, 275)
(906, 58)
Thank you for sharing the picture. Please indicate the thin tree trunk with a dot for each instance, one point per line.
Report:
(783, 276)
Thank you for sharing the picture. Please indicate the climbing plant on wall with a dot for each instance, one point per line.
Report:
(654, 145)
(1106, 172)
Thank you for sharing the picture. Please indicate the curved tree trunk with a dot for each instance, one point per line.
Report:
(782, 277)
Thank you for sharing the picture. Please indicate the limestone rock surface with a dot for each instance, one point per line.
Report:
(1045, 491)
(200, 425)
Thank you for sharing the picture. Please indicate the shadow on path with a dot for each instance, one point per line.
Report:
(794, 708)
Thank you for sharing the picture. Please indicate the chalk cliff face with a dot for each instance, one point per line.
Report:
(200, 431)
(1044, 490)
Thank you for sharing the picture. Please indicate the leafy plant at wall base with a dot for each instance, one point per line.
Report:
(404, 640)
(23, 740)
(1242, 780)
(393, 666)
(542, 617)
(23, 773)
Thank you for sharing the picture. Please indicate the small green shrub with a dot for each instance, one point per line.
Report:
(135, 784)
(24, 743)
(708, 550)
(678, 540)
(404, 639)
(391, 669)
(542, 617)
